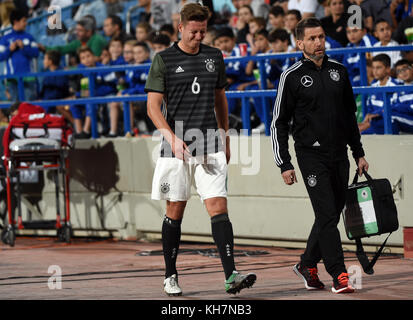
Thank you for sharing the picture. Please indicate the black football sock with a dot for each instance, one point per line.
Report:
(171, 236)
(224, 240)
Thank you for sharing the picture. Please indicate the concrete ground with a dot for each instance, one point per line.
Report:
(123, 270)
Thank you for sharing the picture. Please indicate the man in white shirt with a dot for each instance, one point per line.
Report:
(306, 7)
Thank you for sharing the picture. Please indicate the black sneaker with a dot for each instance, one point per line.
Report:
(310, 277)
(111, 135)
(82, 135)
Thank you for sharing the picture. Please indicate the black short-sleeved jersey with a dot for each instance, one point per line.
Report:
(188, 82)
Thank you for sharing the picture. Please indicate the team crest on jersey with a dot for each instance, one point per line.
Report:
(307, 81)
(209, 65)
(312, 180)
(165, 187)
(334, 75)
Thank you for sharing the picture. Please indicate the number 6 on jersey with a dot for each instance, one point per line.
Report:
(195, 86)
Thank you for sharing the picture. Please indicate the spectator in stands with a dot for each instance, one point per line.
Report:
(281, 3)
(6, 7)
(375, 102)
(160, 42)
(276, 17)
(135, 84)
(161, 12)
(402, 111)
(382, 31)
(235, 71)
(55, 87)
(256, 24)
(145, 15)
(307, 8)
(170, 31)
(96, 8)
(103, 87)
(292, 18)
(210, 36)
(373, 11)
(142, 31)
(105, 56)
(262, 44)
(128, 51)
(399, 9)
(280, 43)
(18, 48)
(113, 28)
(335, 24)
(357, 38)
(116, 51)
(245, 14)
(86, 36)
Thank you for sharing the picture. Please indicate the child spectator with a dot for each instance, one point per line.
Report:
(375, 102)
(128, 51)
(255, 24)
(280, 43)
(291, 20)
(357, 38)
(105, 56)
(402, 111)
(382, 31)
(235, 71)
(160, 42)
(102, 88)
(170, 31)
(135, 84)
(116, 52)
(18, 48)
(142, 31)
(55, 87)
(276, 18)
(210, 36)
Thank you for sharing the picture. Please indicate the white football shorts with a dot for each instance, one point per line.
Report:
(173, 178)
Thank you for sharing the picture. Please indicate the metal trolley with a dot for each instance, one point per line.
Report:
(44, 153)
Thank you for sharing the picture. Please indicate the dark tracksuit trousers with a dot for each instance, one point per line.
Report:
(326, 182)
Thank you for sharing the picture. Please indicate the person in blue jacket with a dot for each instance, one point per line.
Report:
(357, 38)
(54, 87)
(103, 87)
(402, 109)
(133, 83)
(375, 102)
(17, 49)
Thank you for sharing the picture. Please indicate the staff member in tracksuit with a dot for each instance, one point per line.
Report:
(316, 94)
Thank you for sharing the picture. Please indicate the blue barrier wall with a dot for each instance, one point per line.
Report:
(364, 90)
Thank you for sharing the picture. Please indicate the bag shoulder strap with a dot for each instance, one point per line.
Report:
(364, 260)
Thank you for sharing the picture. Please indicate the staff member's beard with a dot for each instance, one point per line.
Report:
(314, 56)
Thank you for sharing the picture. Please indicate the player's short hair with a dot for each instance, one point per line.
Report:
(402, 62)
(194, 12)
(143, 45)
(54, 56)
(279, 34)
(383, 58)
(306, 24)
(225, 32)
(295, 12)
(277, 11)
